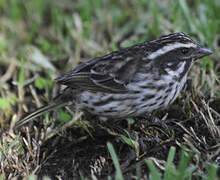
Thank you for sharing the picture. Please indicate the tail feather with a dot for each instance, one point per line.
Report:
(39, 112)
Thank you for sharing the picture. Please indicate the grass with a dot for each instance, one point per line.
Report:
(41, 39)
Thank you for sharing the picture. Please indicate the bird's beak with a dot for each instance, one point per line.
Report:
(202, 52)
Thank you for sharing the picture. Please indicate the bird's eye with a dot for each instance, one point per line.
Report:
(184, 50)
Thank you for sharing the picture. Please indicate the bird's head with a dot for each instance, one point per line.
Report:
(175, 51)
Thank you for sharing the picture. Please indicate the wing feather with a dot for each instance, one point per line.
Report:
(110, 73)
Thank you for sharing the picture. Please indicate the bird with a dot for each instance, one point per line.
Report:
(129, 82)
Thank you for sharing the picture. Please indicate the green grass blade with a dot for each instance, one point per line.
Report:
(184, 160)
(113, 154)
(169, 169)
(154, 172)
(212, 171)
(188, 17)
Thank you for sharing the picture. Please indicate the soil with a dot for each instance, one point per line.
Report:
(77, 153)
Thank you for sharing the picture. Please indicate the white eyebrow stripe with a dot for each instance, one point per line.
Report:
(170, 47)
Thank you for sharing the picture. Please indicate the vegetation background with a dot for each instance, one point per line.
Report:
(40, 39)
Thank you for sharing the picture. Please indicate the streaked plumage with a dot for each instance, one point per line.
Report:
(131, 81)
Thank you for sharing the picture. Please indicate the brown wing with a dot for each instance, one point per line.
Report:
(110, 73)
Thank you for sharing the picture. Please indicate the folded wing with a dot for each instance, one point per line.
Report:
(110, 73)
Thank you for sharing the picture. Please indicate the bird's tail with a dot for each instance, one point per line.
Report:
(39, 112)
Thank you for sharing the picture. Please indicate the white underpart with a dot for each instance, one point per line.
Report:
(166, 79)
(170, 47)
(177, 72)
(177, 85)
(182, 82)
(176, 90)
